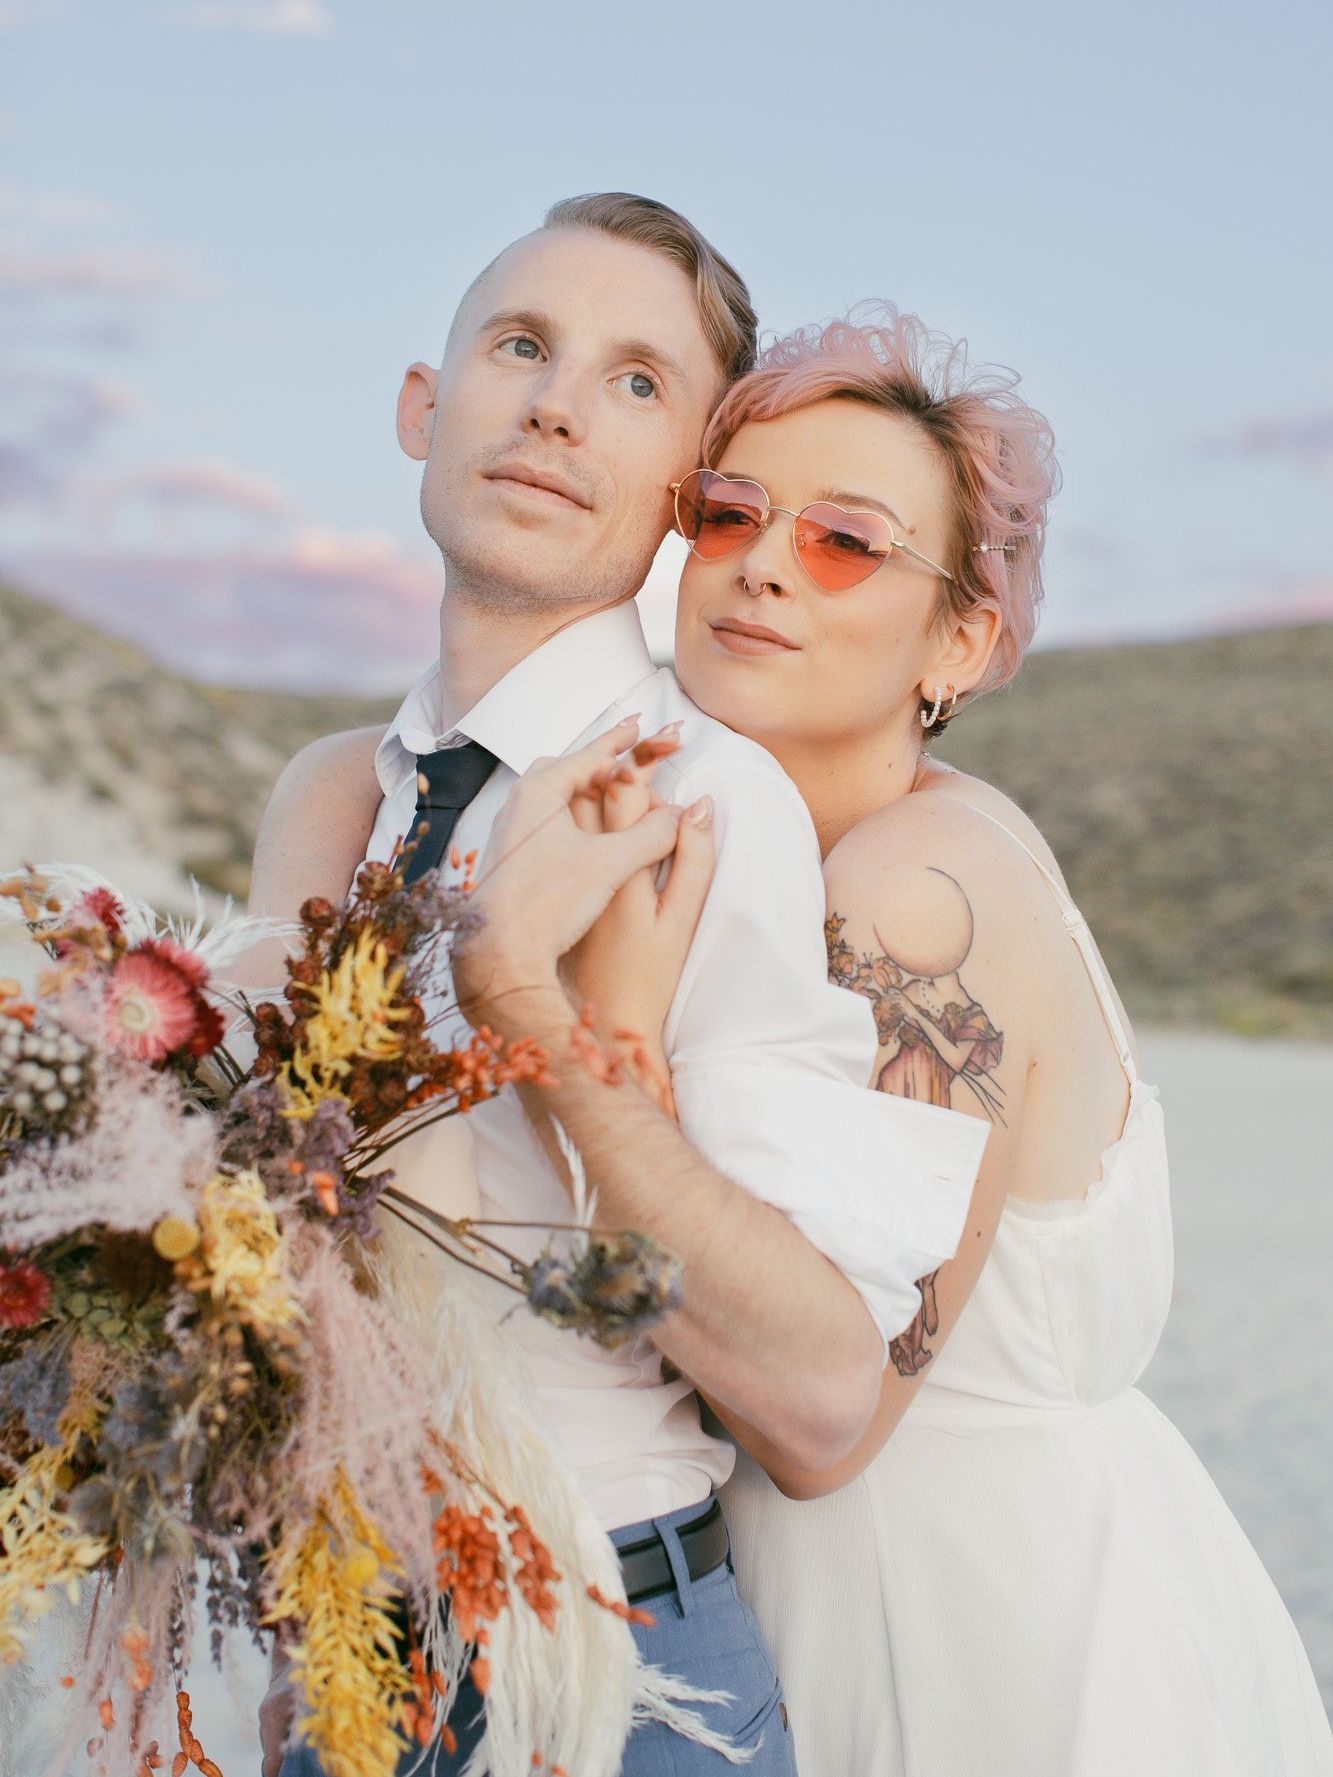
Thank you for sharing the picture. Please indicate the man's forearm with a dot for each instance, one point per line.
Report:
(769, 1326)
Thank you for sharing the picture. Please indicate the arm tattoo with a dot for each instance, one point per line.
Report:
(936, 1037)
(908, 1350)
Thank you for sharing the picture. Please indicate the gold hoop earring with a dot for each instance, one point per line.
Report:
(928, 720)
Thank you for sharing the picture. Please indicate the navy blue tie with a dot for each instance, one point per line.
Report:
(447, 781)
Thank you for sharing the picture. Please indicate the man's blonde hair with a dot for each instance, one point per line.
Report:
(728, 317)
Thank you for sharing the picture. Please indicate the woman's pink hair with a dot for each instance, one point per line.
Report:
(999, 452)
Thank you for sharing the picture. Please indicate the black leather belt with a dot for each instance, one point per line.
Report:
(646, 1570)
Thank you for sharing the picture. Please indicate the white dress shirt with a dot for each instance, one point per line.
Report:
(770, 1062)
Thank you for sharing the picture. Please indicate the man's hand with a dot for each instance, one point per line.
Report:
(544, 879)
(275, 1714)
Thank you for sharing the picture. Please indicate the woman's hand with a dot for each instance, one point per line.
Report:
(626, 969)
(545, 878)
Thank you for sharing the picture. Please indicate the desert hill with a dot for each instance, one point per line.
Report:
(1185, 787)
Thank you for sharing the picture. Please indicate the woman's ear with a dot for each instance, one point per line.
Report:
(966, 653)
(416, 410)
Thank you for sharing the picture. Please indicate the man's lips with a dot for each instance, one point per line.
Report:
(750, 638)
(540, 481)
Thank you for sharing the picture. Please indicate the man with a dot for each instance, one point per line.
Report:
(578, 375)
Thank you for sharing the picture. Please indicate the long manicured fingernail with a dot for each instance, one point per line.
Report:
(700, 813)
(673, 727)
(628, 721)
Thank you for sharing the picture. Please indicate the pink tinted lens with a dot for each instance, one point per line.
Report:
(837, 548)
(717, 515)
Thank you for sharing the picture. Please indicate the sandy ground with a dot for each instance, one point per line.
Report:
(1246, 1365)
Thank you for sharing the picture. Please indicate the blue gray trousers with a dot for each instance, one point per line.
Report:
(702, 1633)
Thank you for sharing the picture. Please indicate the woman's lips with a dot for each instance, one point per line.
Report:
(750, 640)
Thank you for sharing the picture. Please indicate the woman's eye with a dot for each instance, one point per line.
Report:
(522, 347)
(849, 543)
(639, 384)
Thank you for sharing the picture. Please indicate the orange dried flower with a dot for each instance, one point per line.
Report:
(135, 1643)
(657, 746)
(602, 1063)
(536, 1572)
(23, 1012)
(469, 1570)
(419, 1709)
(191, 1752)
(625, 1612)
(326, 1189)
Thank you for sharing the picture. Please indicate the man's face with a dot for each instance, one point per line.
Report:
(579, 362)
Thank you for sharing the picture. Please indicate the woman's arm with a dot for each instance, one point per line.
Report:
(908, 886)
(313, 835)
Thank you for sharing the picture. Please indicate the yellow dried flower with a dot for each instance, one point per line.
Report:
(355, 1010)
(345, 1664)
(174, 1238)
(239, 1261)
(361, 1568)
(42, 1550)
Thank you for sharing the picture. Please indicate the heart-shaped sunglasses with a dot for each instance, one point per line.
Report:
(717, 515)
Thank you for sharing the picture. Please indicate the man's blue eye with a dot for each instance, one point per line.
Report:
(641, 386)
(523, 347)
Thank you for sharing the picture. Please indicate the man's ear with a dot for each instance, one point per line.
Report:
(416, 410)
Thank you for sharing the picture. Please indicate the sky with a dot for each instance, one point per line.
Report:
(227, 226)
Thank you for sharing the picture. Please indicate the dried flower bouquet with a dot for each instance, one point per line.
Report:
(204, 1371)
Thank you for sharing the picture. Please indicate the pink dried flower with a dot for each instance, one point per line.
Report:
(25, 1294)
(209, 1029)
(150, 1009)
(101, 905)
(185, 962)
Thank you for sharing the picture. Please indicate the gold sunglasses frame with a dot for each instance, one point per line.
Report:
(851, 511)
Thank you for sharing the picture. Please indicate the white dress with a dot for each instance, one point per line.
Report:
(1036, 1576)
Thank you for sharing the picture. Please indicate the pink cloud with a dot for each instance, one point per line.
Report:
(58, 409)
(51, 422)
(32, 276)
(26, 481)
(1300, 438)
(320, 611)
(1094, 547)
(55, 208)
(183, 486)
(1280, 607)
(267, 18)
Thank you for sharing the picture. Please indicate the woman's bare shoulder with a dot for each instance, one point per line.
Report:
(318, 821)
(942, 869)
(325, 763)
(952, 817)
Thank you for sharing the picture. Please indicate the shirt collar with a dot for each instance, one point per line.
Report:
(538, 708)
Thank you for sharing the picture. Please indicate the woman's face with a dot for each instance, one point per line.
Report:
(843, 664)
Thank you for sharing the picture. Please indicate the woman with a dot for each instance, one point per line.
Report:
(1022, 1568)
(1029, 1571)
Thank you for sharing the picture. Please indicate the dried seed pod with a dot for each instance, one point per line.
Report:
(46, 1076)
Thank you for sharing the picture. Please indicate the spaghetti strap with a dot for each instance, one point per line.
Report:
(1077, 927)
